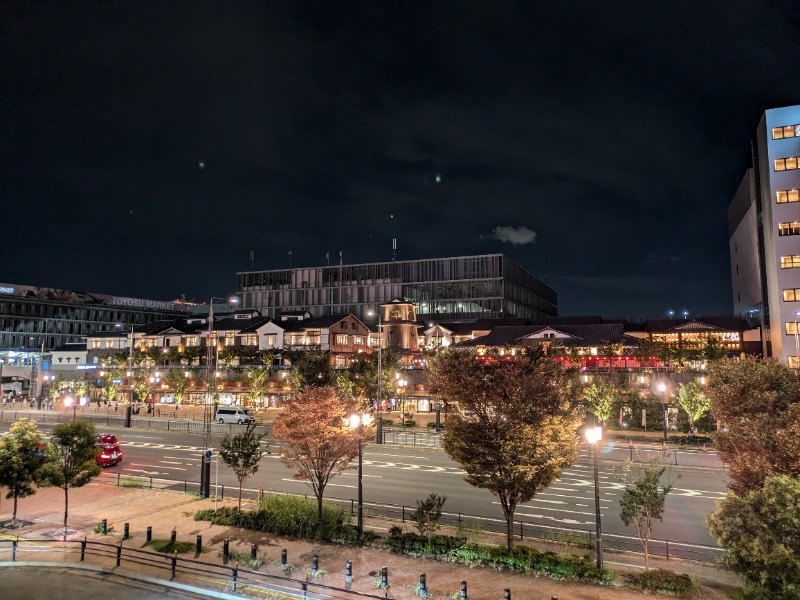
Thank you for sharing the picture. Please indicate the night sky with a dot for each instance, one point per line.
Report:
(149, 147)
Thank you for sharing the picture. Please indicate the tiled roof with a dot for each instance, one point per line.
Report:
(718, 323)
(323, 322)
(579, 335)
(240, 325)
(71, 347)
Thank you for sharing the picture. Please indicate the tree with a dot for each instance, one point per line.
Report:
(257, 385)
(600, 399)
(426, 517)
(359, 381)
(766, 552)
(310, 368)
(70, 459)
(319, 442)
(712, 350)
(141, 385)
(109, 385)
(191, 354)
(643, 500)
(758, 402)
(155, 355)
(21, 457)
(692, 400)
(178, 382)
(242, 453)
(516, 424)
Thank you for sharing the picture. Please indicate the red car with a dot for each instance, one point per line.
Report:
(110, 452)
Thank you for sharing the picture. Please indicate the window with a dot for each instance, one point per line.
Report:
(787, 131)
(786, 164)
(341, 339)
(790, 262)
(193, 340)
(791, 328)
(788, 196)
(794, 362)
(792, 228)
(230, 340)
(270, 340)
(251, 340)
(791, 295)
(358, 340)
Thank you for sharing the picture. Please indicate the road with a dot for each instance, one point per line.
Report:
(401, 475)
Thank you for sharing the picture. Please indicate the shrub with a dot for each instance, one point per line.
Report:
(289, 516)
(167, 547)
(663, 580)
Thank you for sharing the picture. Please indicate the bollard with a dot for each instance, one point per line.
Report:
(314, 564)
(304, 587)
(13, 550)
(283, 558)
(463, 592)
(104, 526)
(199, 547)
(149, 534)
(253, 551)
(507, 594)
(385, 578)
(348, 573)
(225, 550)
(423, 586)
(235, 575)
(553, 597)
(173, 536)
(126, 530)
(174, 563)
(83, 549)
(119, 553)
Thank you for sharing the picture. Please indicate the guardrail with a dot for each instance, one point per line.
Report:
(522, 529)
(221, 577)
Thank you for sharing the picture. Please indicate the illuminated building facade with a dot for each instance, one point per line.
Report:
(458, 288)
(764, 230)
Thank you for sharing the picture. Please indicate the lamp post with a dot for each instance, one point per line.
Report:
(378, 407)
(358, 422)
(593, 437)
(130, 362)
(662, 388)
(70, 401)
(208, 409)
(401, 385)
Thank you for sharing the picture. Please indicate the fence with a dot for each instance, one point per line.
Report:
(223, 578)
(521, 529)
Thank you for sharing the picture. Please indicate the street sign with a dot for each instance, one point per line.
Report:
(208, 454)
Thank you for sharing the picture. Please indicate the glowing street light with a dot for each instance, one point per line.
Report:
(593, 437)
(358, 422)
(379, 421)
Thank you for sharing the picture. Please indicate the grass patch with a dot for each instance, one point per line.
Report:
(168, 547)
(131, 482)
(289, 516)
(98, 528)
(666, 581)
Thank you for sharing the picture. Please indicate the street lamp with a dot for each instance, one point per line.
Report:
(358, 422)
(593, 437)
(130, 362)
(662, 388)
(70, 401)
(401, 385)
(378, 407)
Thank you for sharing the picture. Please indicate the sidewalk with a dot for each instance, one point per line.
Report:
(164, 510)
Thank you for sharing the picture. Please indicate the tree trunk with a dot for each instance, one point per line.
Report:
(14, 516)
(241, 484)
(66, 510)
(508, 513)
(319, 506)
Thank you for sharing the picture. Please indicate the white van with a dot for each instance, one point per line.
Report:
(234, 414)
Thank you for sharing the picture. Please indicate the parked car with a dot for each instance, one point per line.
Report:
(109, 451)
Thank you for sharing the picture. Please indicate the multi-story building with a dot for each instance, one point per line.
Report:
(443, 289)
(764, 225)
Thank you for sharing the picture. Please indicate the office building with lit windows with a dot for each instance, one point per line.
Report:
(764, 229)
(443, 289)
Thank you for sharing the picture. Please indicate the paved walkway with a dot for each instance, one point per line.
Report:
(164, 510)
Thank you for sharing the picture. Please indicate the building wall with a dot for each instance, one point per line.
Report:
(745, 273)
(778, 249)
(465, 287)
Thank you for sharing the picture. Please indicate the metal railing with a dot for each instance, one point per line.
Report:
(220, 577)
(521, 529)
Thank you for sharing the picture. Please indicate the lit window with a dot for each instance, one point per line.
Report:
(794, 362)
(270, 340)
(791, 295)
(790, 262)
(341, 339)
(792, 228)
(787, 131)
(788, 196)
(358, 340)
(791, 328)
(786, 164)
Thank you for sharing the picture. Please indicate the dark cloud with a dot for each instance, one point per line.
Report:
(617, 132)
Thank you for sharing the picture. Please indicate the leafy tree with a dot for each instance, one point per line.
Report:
(359, 381)
(310, 368)
(141, 385)
(139, 357)
(108, 385)
(21, 457)
(712, 350)
(79, 388)
(692, 400)
(267, 357)
(647, 350)
(257, 385)
(319, 442)
(228, 354)
(155, 355)
(761, 535)
(426, 517)
(71, 459)
(643, 500)
(191, 354)
(242, 453)
(758, 402)
(178, 382)
(120, 358)
(173, 356)
(600, 399)
(517, 421)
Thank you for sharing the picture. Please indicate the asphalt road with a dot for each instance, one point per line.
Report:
(401, 475)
